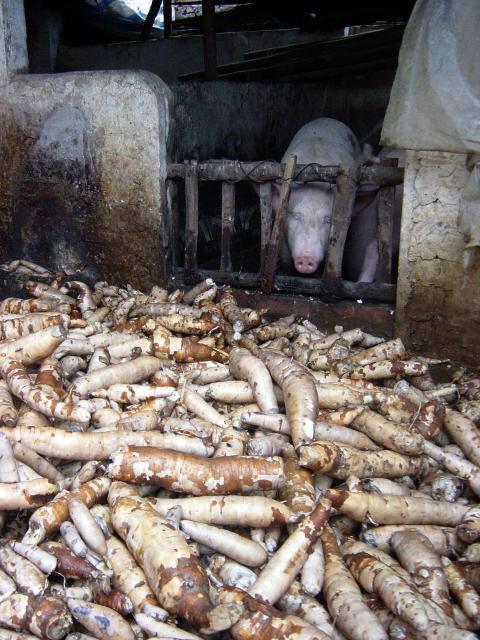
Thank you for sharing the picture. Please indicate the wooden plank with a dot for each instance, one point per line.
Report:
(234, 170)
(385, 206)
(271, 258)
(191, 223)
(265, 219)
(150, 19)
(341, 216)
(163, 246)
(209, 39)
(228, 218)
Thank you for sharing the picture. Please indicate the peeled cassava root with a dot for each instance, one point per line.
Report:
(176, 466)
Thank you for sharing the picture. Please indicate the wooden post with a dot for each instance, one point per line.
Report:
(174, 221)
(270, 267)
(266, 219)
(150, 19)
(341, 216)
(209, 39)
(385, 204)
(385, 214)
(228, 217)
(191, 222)
(167, 18)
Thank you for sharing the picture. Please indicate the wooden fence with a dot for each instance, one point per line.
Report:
(229, 172)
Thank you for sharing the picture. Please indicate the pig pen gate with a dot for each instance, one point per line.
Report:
(228, 172)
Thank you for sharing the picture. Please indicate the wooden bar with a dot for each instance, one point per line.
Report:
(162, 258)
(385, 206)
(228, 218)
(174, 222)
(271, 258)
(150, 19)
(379, 291)
(209, 39)
(191, 223)
(167, 18)
(341, 216)
(235, 170)
(266, 219)
(385, 219)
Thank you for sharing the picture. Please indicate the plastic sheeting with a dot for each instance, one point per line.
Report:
(435, 99)
(119, 16)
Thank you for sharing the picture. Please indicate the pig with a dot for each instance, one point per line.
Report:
(361, 248)
(326, 141)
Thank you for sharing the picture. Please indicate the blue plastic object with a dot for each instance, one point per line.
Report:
(122, 17)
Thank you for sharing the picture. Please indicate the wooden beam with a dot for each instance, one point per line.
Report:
(385, 206)
(174, 222)
(379, 291)
(271, 258)
(265, 220)
(234, 170)
(209, 39)
(191, 223)
(150, 19)
(341, 216)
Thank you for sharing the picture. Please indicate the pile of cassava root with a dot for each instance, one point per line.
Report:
(175, 466)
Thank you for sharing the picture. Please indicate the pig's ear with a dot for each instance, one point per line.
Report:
(276, 188)
(368, 154)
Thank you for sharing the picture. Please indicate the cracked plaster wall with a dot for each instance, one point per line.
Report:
(438, 295)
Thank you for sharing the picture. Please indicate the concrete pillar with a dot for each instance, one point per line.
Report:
(438, 294)
(13, 39)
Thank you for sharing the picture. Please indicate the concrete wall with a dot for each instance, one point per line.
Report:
(82, 171)
(438, 299)
(256, 121)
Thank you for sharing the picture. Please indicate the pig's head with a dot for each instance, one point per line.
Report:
(307, 225)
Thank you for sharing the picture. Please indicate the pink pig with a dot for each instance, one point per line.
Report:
(308, 217)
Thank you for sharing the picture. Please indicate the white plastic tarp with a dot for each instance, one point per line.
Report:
(435, 99)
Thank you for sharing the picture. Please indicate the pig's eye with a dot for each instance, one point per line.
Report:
(294, 215)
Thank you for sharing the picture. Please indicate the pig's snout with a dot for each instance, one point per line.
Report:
(306, 264)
